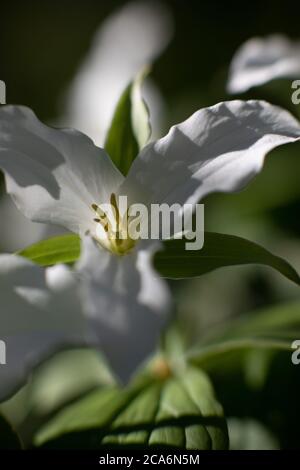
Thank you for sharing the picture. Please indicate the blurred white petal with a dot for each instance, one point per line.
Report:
(128, 40)
(36, 318)
(261, 60)
(116, 304)
(126, 302)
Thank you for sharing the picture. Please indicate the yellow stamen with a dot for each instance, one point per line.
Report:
(117, 241)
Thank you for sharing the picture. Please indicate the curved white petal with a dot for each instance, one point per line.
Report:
(218, 149)
(126, 302)
(132, 37)
(53, 175)
(40, 313)
(261, 60)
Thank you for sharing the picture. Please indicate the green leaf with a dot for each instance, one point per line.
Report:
(274, 328)
(177, 411)
(130, 127)
(256, 200)
(175, 262)
(56, 383)
(62, 249)
(8, 438)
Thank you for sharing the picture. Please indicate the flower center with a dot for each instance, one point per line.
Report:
(112, 227)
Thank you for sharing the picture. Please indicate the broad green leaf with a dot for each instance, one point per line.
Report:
(130, 127)
(219, 250)
(56, 383)
(274, 328)
(62, 249)
(8, 438)
(179, 411)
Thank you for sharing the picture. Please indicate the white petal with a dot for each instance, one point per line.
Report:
(130, 38)
(126, 302)
(18, 232)
(261, 60)
(218, 149)
(40, 314)
(53, 175)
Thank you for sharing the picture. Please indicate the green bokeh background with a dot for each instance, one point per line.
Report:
(41, 45)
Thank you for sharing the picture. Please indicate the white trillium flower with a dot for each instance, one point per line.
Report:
(260, 60)
(61, 177)
(40, 314)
